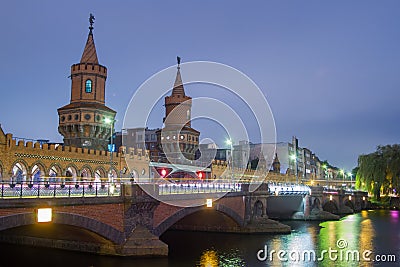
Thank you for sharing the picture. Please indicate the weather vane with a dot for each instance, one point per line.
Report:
(91, 21)
(179, 60)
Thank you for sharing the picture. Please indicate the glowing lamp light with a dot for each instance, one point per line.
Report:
(44, 215)
(163, 172)
(364, 198)
(349, 197)
(330, 197)
(209, 203)
(200, 175)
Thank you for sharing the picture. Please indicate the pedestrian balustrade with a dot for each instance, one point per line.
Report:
(48, 188)
(45, 189)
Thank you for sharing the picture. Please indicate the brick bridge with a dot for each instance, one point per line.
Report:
(130, 221)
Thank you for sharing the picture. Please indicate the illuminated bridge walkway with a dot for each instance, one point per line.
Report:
(112, 189)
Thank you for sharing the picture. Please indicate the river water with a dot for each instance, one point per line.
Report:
(371, 235)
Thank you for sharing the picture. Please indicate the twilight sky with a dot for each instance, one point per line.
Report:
(330, 70)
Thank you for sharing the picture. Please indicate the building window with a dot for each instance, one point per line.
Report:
(88, 88)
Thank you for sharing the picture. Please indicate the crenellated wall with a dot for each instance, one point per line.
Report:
(60, 158)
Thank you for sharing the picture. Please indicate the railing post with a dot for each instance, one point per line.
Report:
(2, 189)
(83, 189)
(55, 186)
(20, 193)
(38, 189)
(69, 190)
(96, 184)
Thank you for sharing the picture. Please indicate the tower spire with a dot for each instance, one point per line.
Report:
(91, 21)
(89, 53)
(178, 85)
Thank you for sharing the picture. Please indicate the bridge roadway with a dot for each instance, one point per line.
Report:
(130, 221)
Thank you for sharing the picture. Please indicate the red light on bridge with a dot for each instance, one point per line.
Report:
(163, 172)
(200, 175)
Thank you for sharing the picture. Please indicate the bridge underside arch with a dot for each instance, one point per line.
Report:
(349, 204)
(218, 218)
(330, 206)
(77, 221)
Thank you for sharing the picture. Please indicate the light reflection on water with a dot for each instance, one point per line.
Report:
(378, 231)
(211, 258)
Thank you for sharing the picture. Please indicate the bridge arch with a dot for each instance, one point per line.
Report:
(350, 204)
(330, 206)
(182, 213)
(86, 173)
(71, 172)
(316, 204)
(102, 229)
(55, 171)
(19, 170)
(37, 171)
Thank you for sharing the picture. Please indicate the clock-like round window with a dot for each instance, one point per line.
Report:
(182, 137)
(87, 117)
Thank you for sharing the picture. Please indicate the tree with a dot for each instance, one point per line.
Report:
(380, 171)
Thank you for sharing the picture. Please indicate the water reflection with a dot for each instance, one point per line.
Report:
(349, 237)
(378, 231)
(210, 258)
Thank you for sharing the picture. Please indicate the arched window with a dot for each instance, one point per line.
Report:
(88, 86)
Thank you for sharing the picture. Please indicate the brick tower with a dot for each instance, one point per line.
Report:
(178, 136)
(83, 122)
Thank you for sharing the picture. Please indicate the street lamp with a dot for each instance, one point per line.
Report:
(230, 143)
(294, 158)
(111, 121)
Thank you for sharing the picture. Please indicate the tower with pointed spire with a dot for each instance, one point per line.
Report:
(82, 122)
(276, 165)
(178, 138)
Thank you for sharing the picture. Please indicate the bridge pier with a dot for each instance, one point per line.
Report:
(256, 218)
(140, 243)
